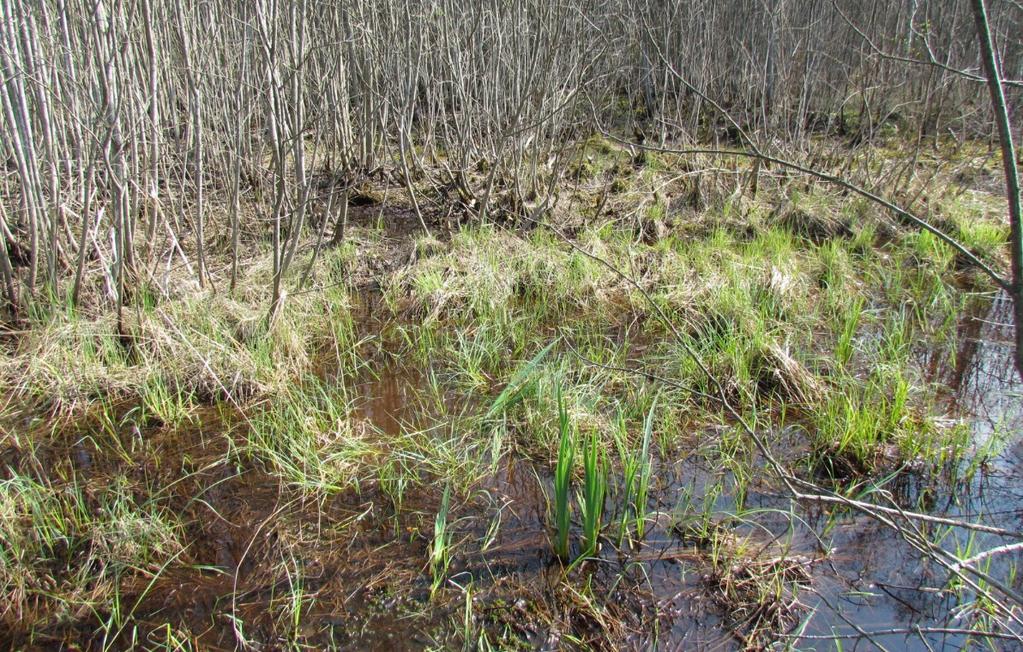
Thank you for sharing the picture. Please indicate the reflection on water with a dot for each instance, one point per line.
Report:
(986, 387)
(882, 583)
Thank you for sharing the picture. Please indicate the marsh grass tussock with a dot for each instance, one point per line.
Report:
(67, 546)
(203, 346)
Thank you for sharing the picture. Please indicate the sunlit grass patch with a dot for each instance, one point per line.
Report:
(487, 271)
(777, 318)
(184, 350)
(308, 439)
(979, 223)
(516, 354)
(815, 214)
(168, 404)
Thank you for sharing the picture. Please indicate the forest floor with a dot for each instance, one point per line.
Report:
(377, 465)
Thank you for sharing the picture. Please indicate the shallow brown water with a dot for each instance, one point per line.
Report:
(869, 580)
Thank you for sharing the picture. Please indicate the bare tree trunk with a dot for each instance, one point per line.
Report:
(1001, 115)
(236, 163)
(6, 270)
(153, 185)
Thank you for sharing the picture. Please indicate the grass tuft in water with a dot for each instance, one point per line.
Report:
(563, 479)
(645, 469)
(636, 467)
(440, 557)
(850, 321)
(593, 492)
(513, 391)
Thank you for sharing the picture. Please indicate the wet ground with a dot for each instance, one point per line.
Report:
(695, 581)
(850, 577)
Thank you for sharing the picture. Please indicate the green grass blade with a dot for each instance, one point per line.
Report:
(513, 391)
(563, 478)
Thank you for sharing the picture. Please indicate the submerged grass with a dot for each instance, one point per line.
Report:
(440, 556)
